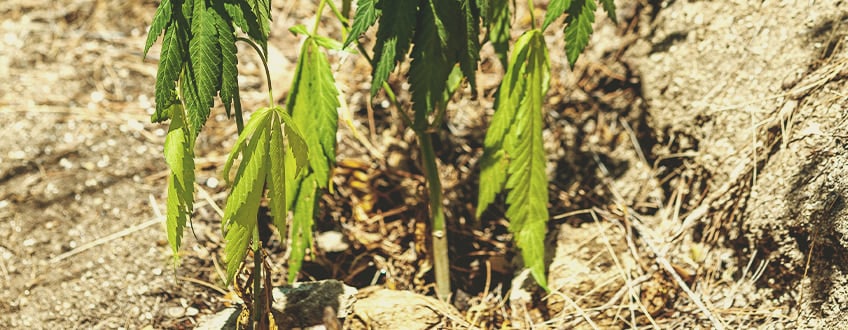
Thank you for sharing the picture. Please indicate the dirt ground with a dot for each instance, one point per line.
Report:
(696, 156)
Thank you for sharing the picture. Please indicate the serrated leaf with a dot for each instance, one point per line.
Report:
(514, 150)
(527, 181)
(494, 161)
(609, 7)
(160, 21)
(261, 10)
(297, 144)
(179, 155)
(315, 104)
(170, 64)
(578, 29)
(228, 86)
(365, 16)
(243, 203)
(205, 67)
(471, 55)
(393, 39)
(430, 65)
(304, 212)
(276, 180)
(498, 27)
(256, 121)
(555, 9)
(242, 16)
(484, 9)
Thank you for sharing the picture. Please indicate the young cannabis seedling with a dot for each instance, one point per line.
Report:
(287, 152)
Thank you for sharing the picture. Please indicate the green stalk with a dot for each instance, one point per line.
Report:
(441, 264)
(257, 278)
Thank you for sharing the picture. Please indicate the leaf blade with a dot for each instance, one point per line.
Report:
(578, 29)
(365, 16)
(161, 20)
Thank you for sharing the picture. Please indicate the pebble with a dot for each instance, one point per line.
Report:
(175, 312)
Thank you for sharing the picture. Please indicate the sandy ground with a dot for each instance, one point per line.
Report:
(695, 154)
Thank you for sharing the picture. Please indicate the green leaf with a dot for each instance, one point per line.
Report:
(498, 23)
(304, 212)
(365, 17)
(609, 7)
(261, 10)
(257, 119)
(469, 58)
(242, 16)
(555, 9)
(514, 150)
(527, 181)
(430, 65)
(243, 203)
(160, 21)
(276, 180)
(315, 104)
(393, 39)
(170, 64)
(581, 15)
(205, 67)
(229, 61)
(494, 162)
(179, 155)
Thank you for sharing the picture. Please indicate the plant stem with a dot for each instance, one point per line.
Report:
(257, 278)
(264, 59)
(532, 14)
(441, 264)
(318, 15)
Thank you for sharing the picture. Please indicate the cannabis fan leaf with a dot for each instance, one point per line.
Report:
(514, 157)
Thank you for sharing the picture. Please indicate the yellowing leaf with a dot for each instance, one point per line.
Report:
(243, 203)
(179, 155)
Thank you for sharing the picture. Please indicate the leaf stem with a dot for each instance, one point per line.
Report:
(390, 93)
(318, 15)
(264, 65)
(239, 114)
(532, 14)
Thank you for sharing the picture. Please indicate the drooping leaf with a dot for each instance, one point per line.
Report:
(431, 62)
(578, 29)
(393, 37)
(484, 10)
(205, 67)
(302, 221)
(315, 104)
(494, 162)
(276, 180)
(160, 21)
(256, 121)
(229, 61)
(179, 155)
(498, 27)
(469, 58)
(242, 16)
(365, 17)
(170, 64)
(514, 150)
(609, 7)
(261, 10)
(242, 206)
(555, 9)
(286, 161)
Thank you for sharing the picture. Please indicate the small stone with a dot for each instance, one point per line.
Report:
(191, 311)
(175, 312)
